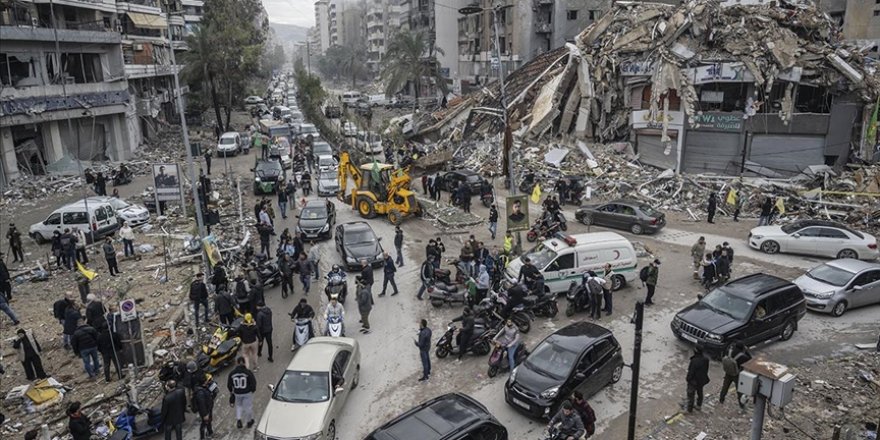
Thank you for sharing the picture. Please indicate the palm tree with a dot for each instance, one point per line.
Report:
(405, 62)
(199, 64)
(354, 61)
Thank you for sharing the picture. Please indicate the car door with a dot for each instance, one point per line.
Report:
(831, 241)
(759, 324)
(583, 379)
(339, 247)
(51, 224)
(627, 216)
(803, 241)
(556, 274)
(604, 353)
(605, 215)
(777, 314)
(864, 289)
(340, 370)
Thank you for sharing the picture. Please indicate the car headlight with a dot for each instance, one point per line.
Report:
(713, 337)
(676, 322)
(325, 228)
(350, 260)
(513, 375)
(316, 436)
(824, 295)
(757, 237)
(256, 179)
(550, 393)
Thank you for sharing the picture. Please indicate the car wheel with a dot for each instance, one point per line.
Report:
(636, 229)
(331, 431)
(617, 374)
(587, 219)
(617, 282)
(839, 309)
(848, 253)
(770, 247)
(39, 238)
(787, 331)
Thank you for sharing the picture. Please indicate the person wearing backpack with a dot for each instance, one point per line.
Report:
(649, 275)
(594, 287)
(583, 408)
(732, 362)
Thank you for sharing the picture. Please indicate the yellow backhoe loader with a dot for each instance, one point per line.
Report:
(379, 189)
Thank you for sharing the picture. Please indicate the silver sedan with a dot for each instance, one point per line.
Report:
(839, 285)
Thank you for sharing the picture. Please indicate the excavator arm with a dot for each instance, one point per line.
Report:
(346, 169)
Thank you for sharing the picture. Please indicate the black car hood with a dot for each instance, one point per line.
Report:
(307, 223)
(358, 251)
(701, 316)
(533, 381)
(267, 172)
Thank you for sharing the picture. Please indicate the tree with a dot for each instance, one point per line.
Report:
(405, 62)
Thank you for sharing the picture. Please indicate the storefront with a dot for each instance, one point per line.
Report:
(714, 143)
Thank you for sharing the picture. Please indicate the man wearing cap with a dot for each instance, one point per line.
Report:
(651, 282)
(248, 333)
(198, 294)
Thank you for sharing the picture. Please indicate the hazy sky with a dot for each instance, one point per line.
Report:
(299, 12)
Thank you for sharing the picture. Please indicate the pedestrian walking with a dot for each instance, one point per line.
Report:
(732, 362)
(315, 257)
(173, 410)
(203, 401)
(766, 212)
(219, 278)
(241, 385)
(95, 311)
(285, 267)
(697, 251)
(367, 275)
(110, 256)
(398, 244)
(79, 424)
(711, 206)
(68, 249)
(109, 344)
(207, 155)
(85, 344)
(426, 274)
(304, 267)
(264, 331)
(493, 220)
(4, 306)
(265, 232)
(14, 237)
(607, 287)
(127, 235)
(248, 333)
(388, 277)
(651, 281)
(72, 317)
(29, 354)
(697, 378)
(306, 183)
(223, 306)
(282, 202)
(738, 204)
(101, 184)
(81, 255)
(198, 295)
(424, 344)
(5, 280)
(365, 305)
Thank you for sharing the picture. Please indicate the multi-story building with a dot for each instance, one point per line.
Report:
(321, 40)
(63, 88)
(859, 19)
(376, 20)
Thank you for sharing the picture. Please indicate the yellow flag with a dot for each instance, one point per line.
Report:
(780, 205)
(536, 193)
(731, 197)
(90, 274)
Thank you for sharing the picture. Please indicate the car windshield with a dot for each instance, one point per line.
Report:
(325, 161)
(313, 213)
(552, 360)
(322, 149)
(541, 256)
(303, 387)
(227, 141)
(473, 178)
(306, 129)
(830, 275)
(730, 305)
(360, 237)
(118, 204)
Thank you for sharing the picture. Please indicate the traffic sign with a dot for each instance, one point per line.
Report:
(127, 310)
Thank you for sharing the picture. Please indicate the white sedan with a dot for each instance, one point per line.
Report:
(250, 100)
(309, 397)
(815, 237)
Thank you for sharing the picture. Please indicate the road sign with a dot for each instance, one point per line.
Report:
(127, 310)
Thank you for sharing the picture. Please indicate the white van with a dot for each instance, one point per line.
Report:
(100, 217)
(350, 98)
(566, 258)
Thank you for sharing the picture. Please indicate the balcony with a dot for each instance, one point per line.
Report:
(100, 5)
(94, 32)
(194, 3)
(142, 6)
(179, 45)
(176, 20)
(133, 71)
(544, 2)
(36, 104)
(192, 18)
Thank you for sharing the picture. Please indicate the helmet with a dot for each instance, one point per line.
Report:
(336, 268)
(191, 367)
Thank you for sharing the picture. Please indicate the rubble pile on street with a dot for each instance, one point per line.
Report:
(446, 216)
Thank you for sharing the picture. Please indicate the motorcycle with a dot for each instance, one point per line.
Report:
(302, 331)
(444, 275)
(539, 229)
(120, 178)
(133, 422)
(440, 293)
(520, 316)
(270, 274)
(555, 433)
(334, 327)
(543, 305)
(578, 299)
(487, 198)
(498, 358)
(221, 348)
(336, 285)
(480, 341)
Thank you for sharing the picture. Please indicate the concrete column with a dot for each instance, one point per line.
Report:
(53, 148)
(8, 162)
(118, 147)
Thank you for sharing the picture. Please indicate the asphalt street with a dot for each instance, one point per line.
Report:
(389, 360)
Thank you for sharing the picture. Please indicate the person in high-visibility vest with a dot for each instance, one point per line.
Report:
(508, 243)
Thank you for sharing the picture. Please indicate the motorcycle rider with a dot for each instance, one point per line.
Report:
(337, 272)
(509, 338)
(334, 309)
(515, 296)
(571, 427)
(305, 311)
(528, 273)
(467, 331)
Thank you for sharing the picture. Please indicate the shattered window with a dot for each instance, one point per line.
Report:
(773, 103)
(18, 70)
(82, 67)
(572, 14)
(809, 99)
(723, 97)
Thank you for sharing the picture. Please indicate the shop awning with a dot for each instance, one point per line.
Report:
(147, 21)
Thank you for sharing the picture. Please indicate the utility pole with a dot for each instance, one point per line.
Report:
(309, 57)
(638, 319)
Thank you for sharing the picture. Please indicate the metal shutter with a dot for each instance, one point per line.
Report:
(787, 154)
(712, 152)
(651, 151)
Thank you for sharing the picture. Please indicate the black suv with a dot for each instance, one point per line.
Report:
(268, 175)
(751, 309)
(451, 181)
(451, 416)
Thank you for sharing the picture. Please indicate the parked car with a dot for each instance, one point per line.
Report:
(321, 148)
(134, 215)
(839, 285)
(99, 218)
(356, 241)
(328, 184)
(268, 174)
(311, 393)
(316, 219)
(633, 216)
(261, 111)
(581, 357)
(451, 180)
(751, 310)
(229, 144)
(452, 416)
(377, 100)
(350, 98)
(368, 142)
(401, 102)
(250, 100)
(815, 237)
(349, 129)
(327, 163)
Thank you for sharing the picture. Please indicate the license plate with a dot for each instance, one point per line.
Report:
(520, 403)
(689, 337)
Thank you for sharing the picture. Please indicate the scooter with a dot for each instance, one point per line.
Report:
(554, 433)
(222, 347)
(302, 332)
(498, 358)
(444, 275)
(543, 305)
(133, 422)
(440, 293)
(334, 326)
(539, 230)
(578, 299)
(336, 285)
(270, 274)
(480, 341)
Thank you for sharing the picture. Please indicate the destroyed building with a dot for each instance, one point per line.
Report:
(706, 86)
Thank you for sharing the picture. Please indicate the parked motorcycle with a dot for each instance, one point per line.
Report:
(444, 275)
(578, 299)
(498, 358)
(334, 327)
(521, 317)
(336, 285)
(221, 348)
(542, 229)
(480, 341)
(121, 178)
(270, 273)
(441, 293)
(543, 305)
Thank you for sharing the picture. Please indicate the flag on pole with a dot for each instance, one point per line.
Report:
(536, 193)
(780, 205)
(872, 124)
(731, 196)
(89, 274)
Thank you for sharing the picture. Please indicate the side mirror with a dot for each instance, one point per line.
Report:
(699, 296)
(380, 238)
(271, 387)
(297, 216)
(338, 389)
(796, 235)
(857, 287)
(579, 376)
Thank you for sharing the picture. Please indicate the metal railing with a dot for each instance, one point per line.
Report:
(95, 25)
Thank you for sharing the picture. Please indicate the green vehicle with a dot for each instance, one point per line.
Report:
(269, 175)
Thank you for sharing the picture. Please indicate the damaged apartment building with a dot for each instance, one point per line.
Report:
(87, 80)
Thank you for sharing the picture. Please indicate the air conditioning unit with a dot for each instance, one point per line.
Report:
(138, 47)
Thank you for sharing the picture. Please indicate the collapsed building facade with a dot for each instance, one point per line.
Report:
(734, 87)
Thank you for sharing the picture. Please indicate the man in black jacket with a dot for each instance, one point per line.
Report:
(95, 311)
(198, 295)
(242, 384)
(219, 278)
(85, 344)
(467, 331)
(29, 354)
(426, 274)
(493, 220)
(264, 330)
(424, 344)
(173, 410)
(204, 403)
(109, 344)
(285, 266)
(398, 244)
(223, 307)
(14, 237)
(5, 280)
(79, 424)
(697, 378)
(388, 272)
